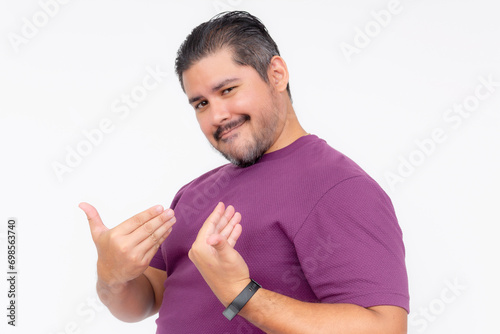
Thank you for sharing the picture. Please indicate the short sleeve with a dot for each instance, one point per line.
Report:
(351, 247)
(158, 262)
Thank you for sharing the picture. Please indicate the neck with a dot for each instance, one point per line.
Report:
(291, 130)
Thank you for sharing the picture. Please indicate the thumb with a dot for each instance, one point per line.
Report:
(96, 225)
(220, 244)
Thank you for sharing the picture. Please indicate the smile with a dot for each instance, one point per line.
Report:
(227, 130)
(224, 135)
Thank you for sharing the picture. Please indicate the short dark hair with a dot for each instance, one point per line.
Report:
(244, 34)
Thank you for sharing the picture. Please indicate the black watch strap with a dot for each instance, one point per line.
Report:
(232, 310)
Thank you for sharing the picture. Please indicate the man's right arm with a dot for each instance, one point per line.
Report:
(137, 299)
(126, 284)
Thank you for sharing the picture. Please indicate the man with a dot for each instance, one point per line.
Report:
(317, 233)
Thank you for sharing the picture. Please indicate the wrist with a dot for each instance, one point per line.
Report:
(113, 287)
(235, 290)
(241, 299)
(108, 279)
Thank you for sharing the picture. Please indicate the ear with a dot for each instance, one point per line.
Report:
(278, 74)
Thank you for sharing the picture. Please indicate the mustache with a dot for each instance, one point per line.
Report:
(228, 126)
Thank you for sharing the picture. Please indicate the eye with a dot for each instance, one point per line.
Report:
(201, 105)
(227, 90)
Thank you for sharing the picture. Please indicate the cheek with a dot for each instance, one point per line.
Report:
(239, 105)
(248, 100)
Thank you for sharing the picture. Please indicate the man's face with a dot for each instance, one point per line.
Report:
(237, 111)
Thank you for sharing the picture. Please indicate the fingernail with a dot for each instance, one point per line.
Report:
(169, 213)
(159, 209)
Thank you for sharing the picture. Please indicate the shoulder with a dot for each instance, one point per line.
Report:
(214, 176)
(342, 190)
(320, 163)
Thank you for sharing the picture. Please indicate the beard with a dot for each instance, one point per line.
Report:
(247, 151)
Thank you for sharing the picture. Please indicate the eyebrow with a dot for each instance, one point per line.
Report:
(214, 88)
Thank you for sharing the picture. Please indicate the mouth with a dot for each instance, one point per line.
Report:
(225, 132)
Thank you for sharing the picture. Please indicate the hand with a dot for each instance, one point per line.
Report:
(213, 253)
(124, 252)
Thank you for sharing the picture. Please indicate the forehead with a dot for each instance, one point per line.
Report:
(213, 69)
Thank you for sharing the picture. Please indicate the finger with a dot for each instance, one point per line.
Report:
(165, 236)
(139, 219)
(95, 222)
(223, 246)
(228, 221)
(156, 238)
(225, 219)
(235, 219)
(149, 228)
(212, 220)
(151, 251)
(217, 241)
(235, 234)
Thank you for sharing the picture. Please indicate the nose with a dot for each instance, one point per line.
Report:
(219, 112)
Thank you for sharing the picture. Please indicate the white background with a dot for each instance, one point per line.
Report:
(374, 106)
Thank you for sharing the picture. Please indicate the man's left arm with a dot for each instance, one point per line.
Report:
(275, 313)
(227, 274)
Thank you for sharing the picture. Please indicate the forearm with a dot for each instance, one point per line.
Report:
(129, 302)
(275, 313)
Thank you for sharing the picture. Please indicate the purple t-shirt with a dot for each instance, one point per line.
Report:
(316, 228)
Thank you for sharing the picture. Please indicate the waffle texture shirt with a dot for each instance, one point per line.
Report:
(316, 228)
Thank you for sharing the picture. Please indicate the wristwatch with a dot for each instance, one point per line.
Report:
(232, 310)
